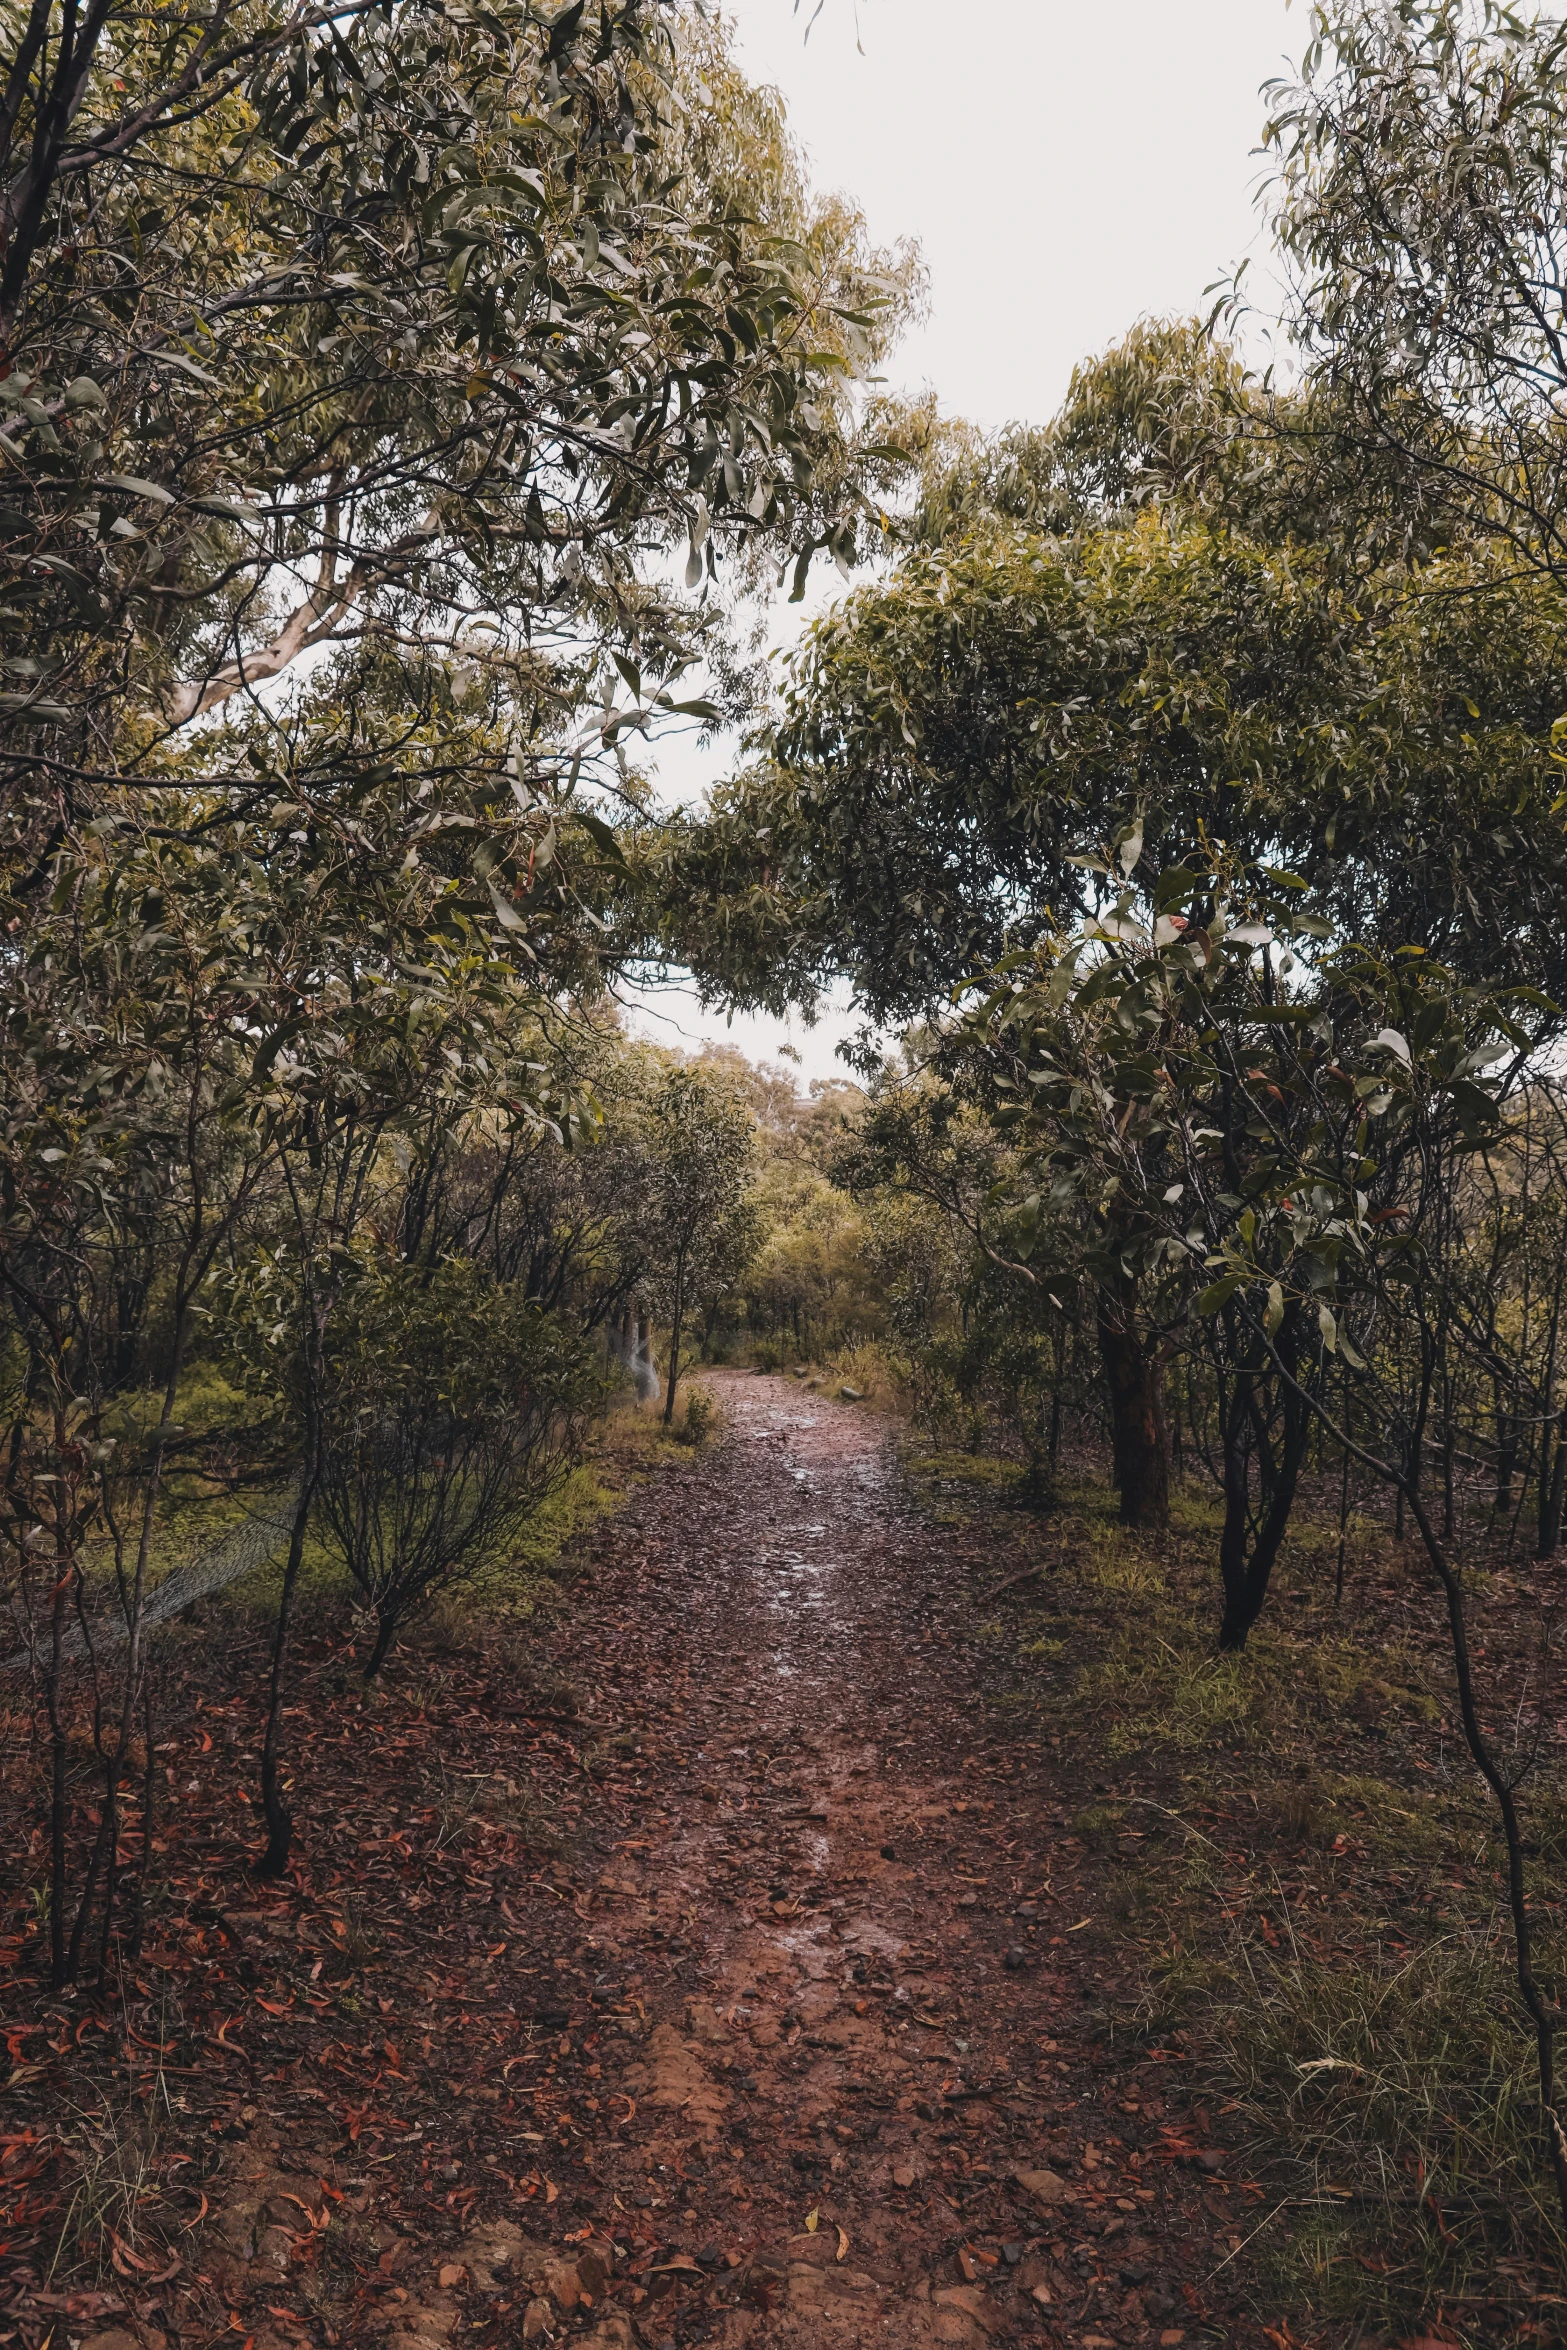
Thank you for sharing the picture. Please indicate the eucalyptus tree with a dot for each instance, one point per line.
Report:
(701, 1154)
(1156, 1070)
(236, 1009)
(382, 356)
(399, 916)
(391, 317)
(1205, 1078)
(124, 1174)
(1120, 614)
(1420, 197)
(954, 740)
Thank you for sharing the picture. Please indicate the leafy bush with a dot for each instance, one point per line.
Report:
(450, 1411)
(700, 1418)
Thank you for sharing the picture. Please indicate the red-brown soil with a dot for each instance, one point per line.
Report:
(798, 2039)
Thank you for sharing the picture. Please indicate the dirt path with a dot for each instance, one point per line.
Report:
(799, 2039)
(875, 2105)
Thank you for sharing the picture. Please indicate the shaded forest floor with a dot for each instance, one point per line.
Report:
(849, 1938)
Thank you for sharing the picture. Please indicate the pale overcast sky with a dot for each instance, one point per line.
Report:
(1066, 168)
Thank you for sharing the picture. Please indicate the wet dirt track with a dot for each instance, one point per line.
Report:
(759, 1995)
(865, 2095)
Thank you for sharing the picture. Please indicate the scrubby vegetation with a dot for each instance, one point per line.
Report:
(402, 407)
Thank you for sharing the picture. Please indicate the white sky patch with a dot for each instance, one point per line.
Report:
(1066, 168)
(672, 1016)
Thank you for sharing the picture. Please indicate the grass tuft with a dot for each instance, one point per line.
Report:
(117, 2169)
(1410, 2115)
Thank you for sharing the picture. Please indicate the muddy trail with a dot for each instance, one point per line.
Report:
(874, 2101)
(803, 2037)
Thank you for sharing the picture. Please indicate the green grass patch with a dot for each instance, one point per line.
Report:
(982, 1471)
(1405, 2100)
(1306, 1873)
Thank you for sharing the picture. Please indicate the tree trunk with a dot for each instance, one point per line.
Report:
(385, 1634)
(280, 1824)
(108, 1852)
(674, 1337)
(1246, 1572)
(1553, 1486)
(1506, 1461)
(143, 1878)
(59, 1753)
(1137, 1433)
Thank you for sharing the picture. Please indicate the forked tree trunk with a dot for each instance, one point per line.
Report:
(1246, 1560)
(1138, 1442)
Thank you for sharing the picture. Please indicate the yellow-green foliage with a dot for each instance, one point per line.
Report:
(198, 1504)
(978, 1469)
(1151, 1677)
(699, 1420)
(875, 1369)
(581, 1498)
(1161, 1683)
(1097, 1826)
(810, 1279)
(1414, 1824)
(1114, 1561)
(622, 1452)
